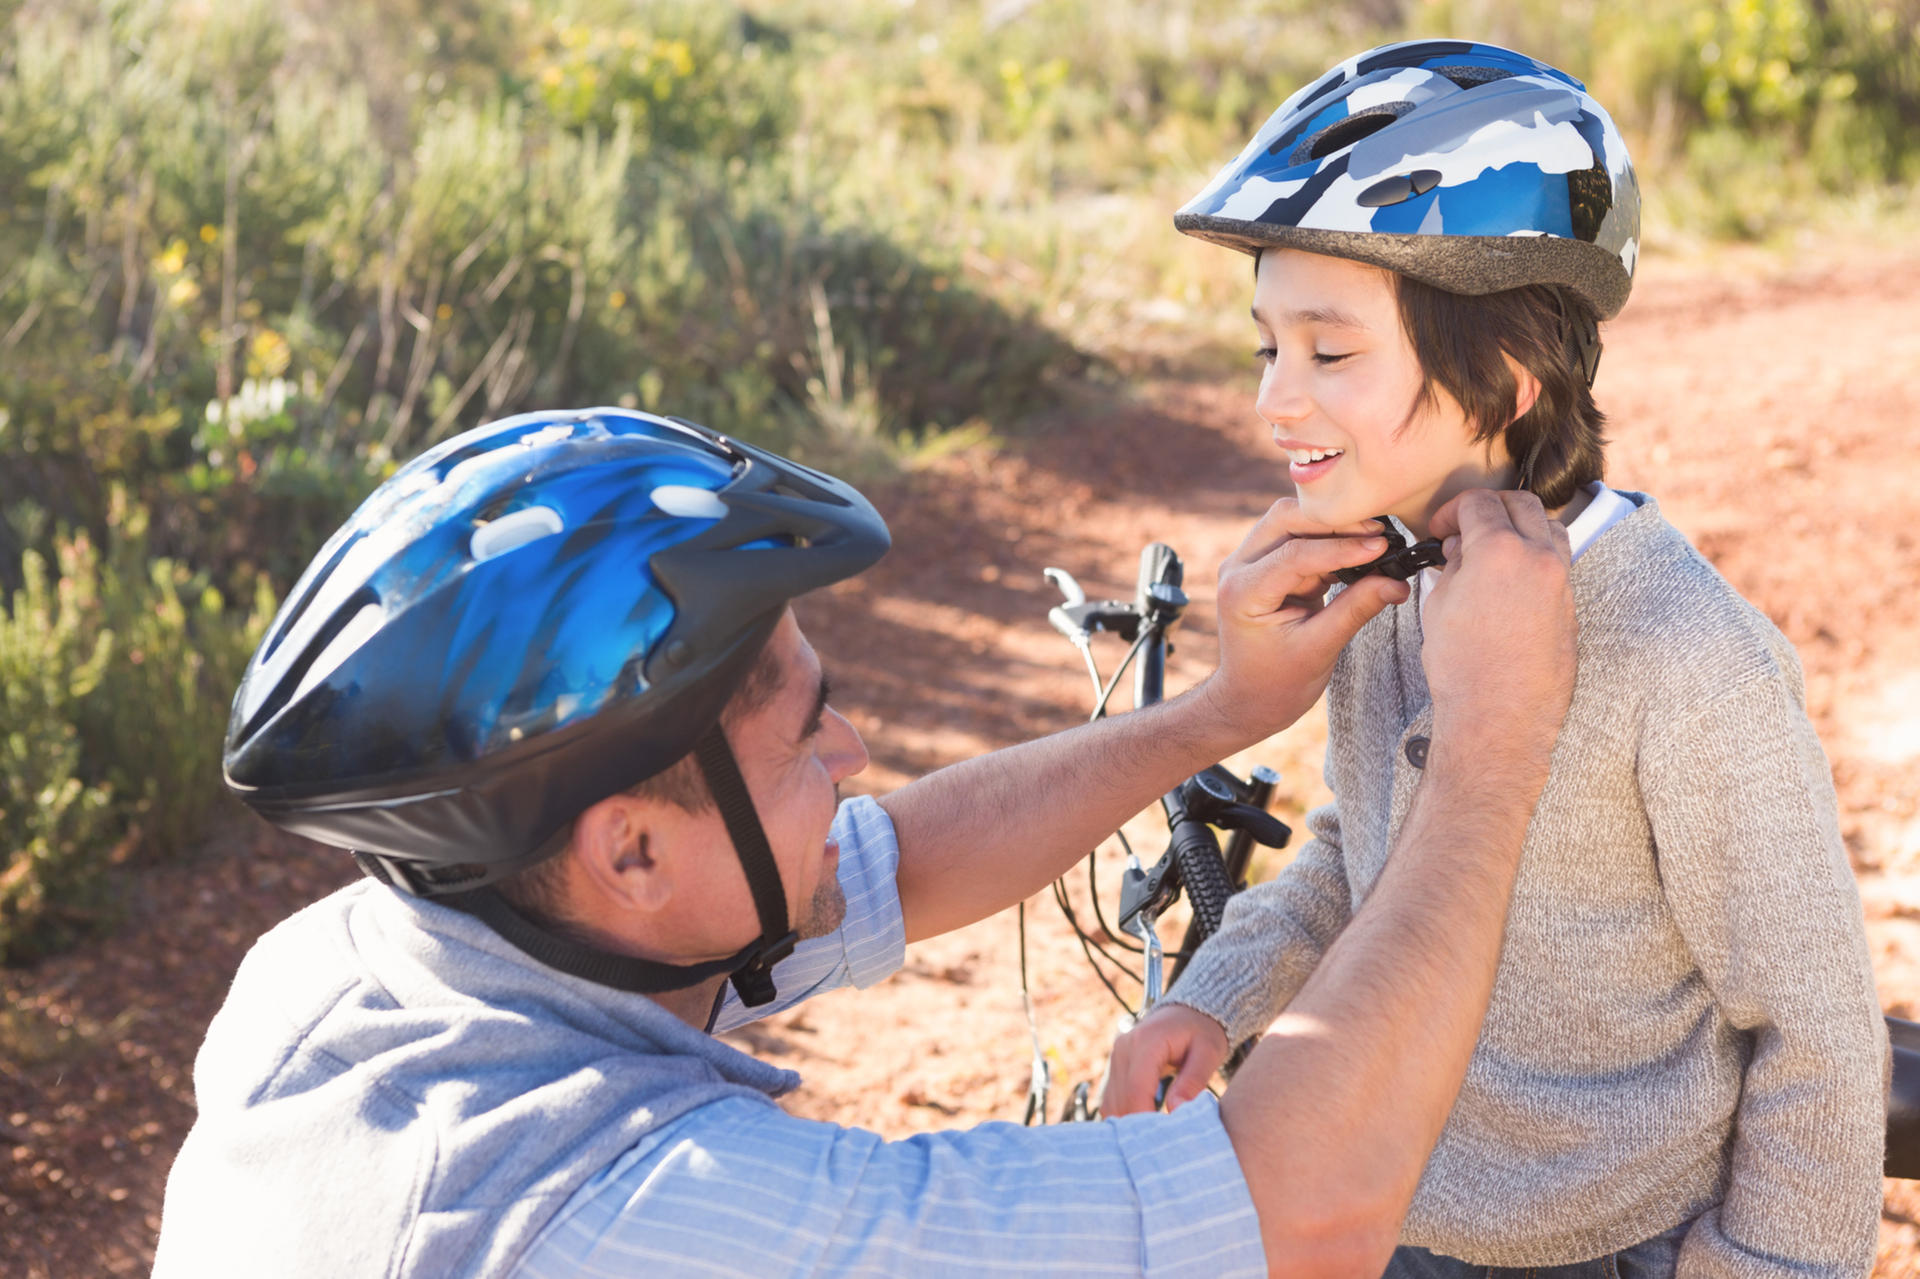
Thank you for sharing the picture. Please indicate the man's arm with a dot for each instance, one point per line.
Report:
(1335, 1112)
(978, 836)
(739, 1189)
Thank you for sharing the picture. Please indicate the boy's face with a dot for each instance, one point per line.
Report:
(1342, 381)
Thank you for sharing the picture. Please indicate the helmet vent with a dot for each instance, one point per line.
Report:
(1344, 133)
(359, 627)
(360, 614)
(510, 532)
(690, 502)
(316, 579)
(1468, 77)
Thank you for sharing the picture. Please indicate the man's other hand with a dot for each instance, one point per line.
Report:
(1499, 628)
(1278, 639)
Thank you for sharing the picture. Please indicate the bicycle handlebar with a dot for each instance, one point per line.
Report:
(1211, 797)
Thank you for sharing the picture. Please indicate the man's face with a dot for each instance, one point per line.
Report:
(793, 752)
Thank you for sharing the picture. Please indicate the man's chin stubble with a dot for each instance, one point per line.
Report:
(826, 911)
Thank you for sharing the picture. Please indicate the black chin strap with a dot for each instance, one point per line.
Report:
(753, 979)
(604, 968)
(751, 968)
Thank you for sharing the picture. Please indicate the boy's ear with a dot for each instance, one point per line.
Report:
(1526, 387)
(615, 848)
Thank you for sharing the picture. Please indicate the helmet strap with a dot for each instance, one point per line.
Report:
(1581, 338)
(754, 978)
(603, 968)
(751, 968)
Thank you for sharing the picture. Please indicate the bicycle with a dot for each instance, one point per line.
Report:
(1195, 862)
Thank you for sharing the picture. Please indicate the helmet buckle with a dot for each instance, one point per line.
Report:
(753, 981)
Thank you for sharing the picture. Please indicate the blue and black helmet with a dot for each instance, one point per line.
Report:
(1463, 165)
(521, 622)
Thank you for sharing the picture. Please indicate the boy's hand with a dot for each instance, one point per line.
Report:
(1278, 634)
(1172, 1040)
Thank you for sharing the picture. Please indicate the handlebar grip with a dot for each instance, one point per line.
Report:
(1158, 563)
(1197, 853)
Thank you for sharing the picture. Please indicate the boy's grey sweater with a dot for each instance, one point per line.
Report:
(1684, 1020)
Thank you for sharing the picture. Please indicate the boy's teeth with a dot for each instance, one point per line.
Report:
(1304, 456)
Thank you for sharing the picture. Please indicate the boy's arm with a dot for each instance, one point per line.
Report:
(1743, 812)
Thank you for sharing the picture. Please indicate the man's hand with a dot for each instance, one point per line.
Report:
(1499, 628)
(1171, 1040)
(1278, 639)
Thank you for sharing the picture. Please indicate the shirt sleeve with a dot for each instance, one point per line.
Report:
(740, 1188)
(1271, 937)
(1744, 821)
(871, 942)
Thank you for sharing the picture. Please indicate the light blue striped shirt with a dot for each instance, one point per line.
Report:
(740, 1188)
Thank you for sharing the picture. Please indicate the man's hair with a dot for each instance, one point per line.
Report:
(1459, 340)
(539, 891)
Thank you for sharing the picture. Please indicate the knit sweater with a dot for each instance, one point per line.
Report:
(1684, 1021)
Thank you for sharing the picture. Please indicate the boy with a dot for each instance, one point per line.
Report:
(1683, 1068)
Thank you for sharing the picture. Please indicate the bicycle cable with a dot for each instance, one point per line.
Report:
(1092, 944)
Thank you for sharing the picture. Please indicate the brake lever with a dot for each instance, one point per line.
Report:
(1064, 582)
(1257, 822)
(1146, 892)
(1214, 796)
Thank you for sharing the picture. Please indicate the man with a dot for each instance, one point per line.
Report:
(546, 683)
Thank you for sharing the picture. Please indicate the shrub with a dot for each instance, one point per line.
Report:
(114, 684)
(52, 654)
(152, 731)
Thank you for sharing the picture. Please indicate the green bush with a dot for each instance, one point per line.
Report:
(247, 284)
(52, 654)
(153, 728)
(114, 683)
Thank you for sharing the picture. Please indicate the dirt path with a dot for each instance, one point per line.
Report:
(1773, 417)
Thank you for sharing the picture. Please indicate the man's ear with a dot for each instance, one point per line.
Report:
(1526, 387)
(616, 842)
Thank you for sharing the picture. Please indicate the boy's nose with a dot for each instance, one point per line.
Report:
(1281, 398)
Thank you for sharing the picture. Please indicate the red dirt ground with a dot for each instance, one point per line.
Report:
(1771, 412)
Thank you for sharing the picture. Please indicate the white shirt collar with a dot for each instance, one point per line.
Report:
(1606, 509)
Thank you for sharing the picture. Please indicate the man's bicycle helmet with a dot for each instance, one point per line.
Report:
(1465, 166)
(529, 618)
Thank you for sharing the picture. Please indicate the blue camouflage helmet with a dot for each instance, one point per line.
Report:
(521, 622)
(1466, 166)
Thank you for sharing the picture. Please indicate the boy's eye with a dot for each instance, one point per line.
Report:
(1330, 357)
(1265, 355)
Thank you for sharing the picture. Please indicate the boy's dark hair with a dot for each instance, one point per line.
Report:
(1459, 340)
(538, 891)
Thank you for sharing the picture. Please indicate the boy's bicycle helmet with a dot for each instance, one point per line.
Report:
(1466, 166)
(529, 618)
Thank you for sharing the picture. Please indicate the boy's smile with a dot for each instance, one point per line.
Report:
(1307, 462)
